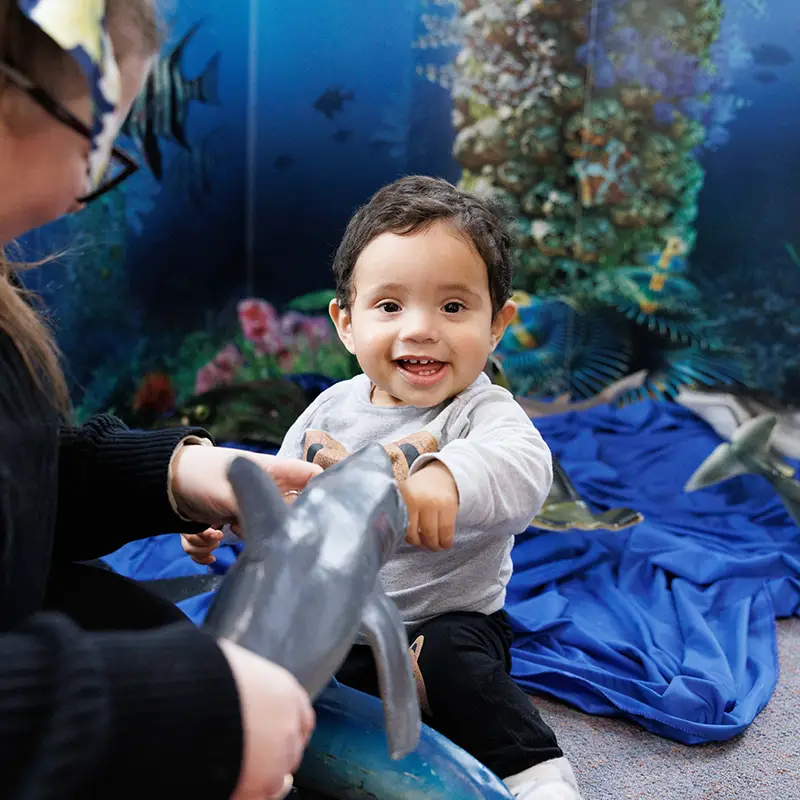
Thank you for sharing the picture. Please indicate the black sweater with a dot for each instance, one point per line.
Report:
(111, 715)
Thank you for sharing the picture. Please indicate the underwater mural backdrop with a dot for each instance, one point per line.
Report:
(644, 151)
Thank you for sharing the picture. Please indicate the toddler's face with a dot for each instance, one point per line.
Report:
(420, 323)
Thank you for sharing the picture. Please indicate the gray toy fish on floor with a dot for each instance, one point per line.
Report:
(565, 510)
(307, 581)
(750, 451)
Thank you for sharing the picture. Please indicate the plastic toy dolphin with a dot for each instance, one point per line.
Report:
(749, 451)
(307, 581)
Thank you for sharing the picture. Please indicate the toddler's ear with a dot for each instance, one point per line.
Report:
(343, 323)
(502, 319)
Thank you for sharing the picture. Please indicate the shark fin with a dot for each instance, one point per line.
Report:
(384, 631)
(719, 466)
(754, 435)
(262, 508)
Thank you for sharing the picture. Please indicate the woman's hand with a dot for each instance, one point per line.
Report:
(277, 722)
(203, 492)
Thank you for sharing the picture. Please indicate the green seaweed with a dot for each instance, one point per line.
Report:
(313, 302)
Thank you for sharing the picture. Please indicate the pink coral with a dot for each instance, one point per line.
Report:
(229, 359)
(313, 329)
(220, 371)
(261, 325)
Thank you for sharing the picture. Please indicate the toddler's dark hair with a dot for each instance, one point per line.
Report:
(413, 204)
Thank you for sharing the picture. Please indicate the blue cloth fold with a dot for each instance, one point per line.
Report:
(671, 623)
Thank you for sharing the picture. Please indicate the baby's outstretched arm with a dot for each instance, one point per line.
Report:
(501, 466)
(431, 497)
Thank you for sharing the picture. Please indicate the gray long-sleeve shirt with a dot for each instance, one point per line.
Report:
(501, 465)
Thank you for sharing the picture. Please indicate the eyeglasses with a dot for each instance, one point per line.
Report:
(120, 165)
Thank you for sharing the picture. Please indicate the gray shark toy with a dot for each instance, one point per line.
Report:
(725, 409)
(307, 581)
(749, 451)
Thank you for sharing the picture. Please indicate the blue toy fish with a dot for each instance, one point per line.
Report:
(346, 759)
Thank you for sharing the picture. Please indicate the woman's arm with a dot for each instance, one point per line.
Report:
(115, 714)
(113, 487)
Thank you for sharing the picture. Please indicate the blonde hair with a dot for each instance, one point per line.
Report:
(133, 26)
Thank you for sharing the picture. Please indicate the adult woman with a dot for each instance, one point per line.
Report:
(85, 712)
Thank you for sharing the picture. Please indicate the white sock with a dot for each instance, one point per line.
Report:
(550, 780)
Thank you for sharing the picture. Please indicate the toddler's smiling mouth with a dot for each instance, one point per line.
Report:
(422, 371)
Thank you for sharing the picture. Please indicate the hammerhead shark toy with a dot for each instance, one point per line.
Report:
(307, 581)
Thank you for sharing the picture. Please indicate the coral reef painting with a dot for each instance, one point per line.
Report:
(587, 121)
(248, 385)
(644, 153)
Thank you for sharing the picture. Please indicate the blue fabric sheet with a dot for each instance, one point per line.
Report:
(670, 623)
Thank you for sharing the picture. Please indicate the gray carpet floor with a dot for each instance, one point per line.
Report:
(618, 760)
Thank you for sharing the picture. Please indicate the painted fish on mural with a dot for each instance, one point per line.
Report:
(331, 101)
(193, 169)
(161, 110)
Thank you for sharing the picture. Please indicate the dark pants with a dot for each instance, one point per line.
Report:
(464, 662)
(100, 600)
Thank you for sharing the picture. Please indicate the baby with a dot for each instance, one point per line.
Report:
(423, 280)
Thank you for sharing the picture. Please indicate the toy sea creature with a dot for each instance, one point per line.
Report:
(726, 408)
(306, 583)
(347, 760)
(565, 510)
(749, 452)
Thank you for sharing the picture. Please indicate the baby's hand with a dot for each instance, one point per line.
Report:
(200, 546)
(431, 496)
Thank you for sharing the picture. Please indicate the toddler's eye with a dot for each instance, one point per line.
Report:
(389, 307)
(453, 308)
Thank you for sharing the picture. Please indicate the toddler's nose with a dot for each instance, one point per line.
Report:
(419, 326)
